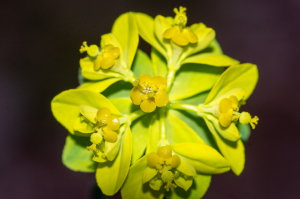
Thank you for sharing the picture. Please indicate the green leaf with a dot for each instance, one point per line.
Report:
(159, 63)
(119, 89)
(88, 72)
(195, 99)
(243, 76)
(215, 47)
(244, 130)
(161, 24)
(234, 152)
(148, 174)
(98, 86)
(202, 157)
(110, 176)
(154, 134)
(142, 64)
(205, 37)
(65, 106)
(212, 59)
(140, 131)
(178, 131)
(126, 31)
(124, 104)
(197, 124)
(75, 155)
(145, 25)
(197, 190)
(134, 188)
(200, 78)
(186, 168)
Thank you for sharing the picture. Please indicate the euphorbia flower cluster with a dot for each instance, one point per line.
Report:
(188, 125)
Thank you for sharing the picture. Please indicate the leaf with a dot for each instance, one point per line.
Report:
(154, 134)
(200, 78)
(243, 76)
(98, 86)
(234, 152)
(148, 174)
(202, 157)
(197, 190)
(110, 176)
(134, 188)
(159, 63)
(178, 131)
(65, 106)
(142, 64)
(186, 168)
(145, 25)
(212, 59)
(161, 24)
(126, 31)
(75, 155)
(215, 47)
(124, 104)
(120, 89)
(197, 124)
(245, 131)
(140, 130)
(88, 72)
(89, 112)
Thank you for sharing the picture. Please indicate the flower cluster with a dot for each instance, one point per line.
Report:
(188, 125)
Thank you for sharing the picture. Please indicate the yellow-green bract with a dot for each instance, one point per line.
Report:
(188, 124)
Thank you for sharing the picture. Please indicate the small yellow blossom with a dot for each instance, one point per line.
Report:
(180, 34)
(105, 58)
(148, 92)
(229, 107)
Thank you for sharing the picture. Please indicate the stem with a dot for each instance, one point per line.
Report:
(170, 79)
(162, 118)
(182, 106)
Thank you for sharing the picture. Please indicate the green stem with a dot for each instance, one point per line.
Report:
(170, 79)
(182, 106)
(162, 119)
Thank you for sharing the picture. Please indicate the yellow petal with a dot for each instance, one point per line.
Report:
(148, 105)
(169, 33)
(225, 119)
(180, 39)
(192, 37)
(144, 78)
(114, 52)
(113, 122)
(97, 63)
(107, 62)
(161, 98)
(135, 96)
(159, 80)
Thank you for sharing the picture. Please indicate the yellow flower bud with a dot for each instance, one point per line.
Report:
(96, 138)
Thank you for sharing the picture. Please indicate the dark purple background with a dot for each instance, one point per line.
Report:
(39, 43)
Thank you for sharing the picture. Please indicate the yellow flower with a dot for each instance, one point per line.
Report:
(180, 34)
(148, 92)
(105, 59)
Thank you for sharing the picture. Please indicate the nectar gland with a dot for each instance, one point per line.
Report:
(179, 33)
(229, 108)
(165, 163)
(106, 127)
(148, 92)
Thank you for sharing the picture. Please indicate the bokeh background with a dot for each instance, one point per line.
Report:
(39, 43)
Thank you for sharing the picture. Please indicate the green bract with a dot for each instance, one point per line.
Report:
(189, 107)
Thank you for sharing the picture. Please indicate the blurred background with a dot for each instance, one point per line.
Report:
(39, 45)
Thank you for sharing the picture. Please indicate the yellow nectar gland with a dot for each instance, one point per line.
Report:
(180, 34)
(148, 92)
(229, 113)
(163, 161)
(106, 127)
(106, 57)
